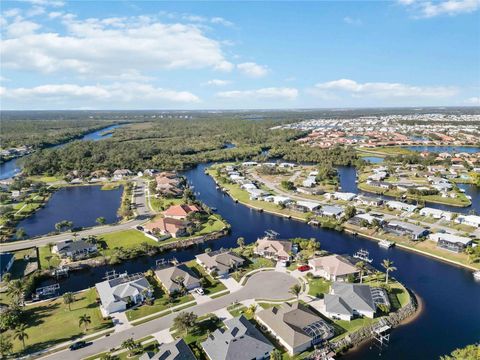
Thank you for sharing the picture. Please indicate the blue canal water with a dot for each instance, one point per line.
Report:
(11, 167)
(373, 159)
(80, 204)
(448, 149)
(348, 175)
(451, 315)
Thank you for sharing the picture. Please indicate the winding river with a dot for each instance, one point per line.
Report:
(11, 167)
(451, 314)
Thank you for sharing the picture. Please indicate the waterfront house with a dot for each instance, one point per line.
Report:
(120, 174)
(451, 242)
(295, 326)
(436, 213)
(305, 206)
(332, 211)
(168, 184)
(368, 200)
(470, 220)
(398, 205)
(345, 301)
(74, 250)
(250, 163)
(309, 191)
(123, 291)
(345, 196)
(6, 262)
(174, 278)
(279, 250)
(167, 226)
(401, 228)
(380, 184)
(332, 268)
(257, 194)
(279, 200)
(180, 212)
(176, 350)
(221, 261)
(239, 340)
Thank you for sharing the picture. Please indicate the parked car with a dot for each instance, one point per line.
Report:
(303, 268)
(77, 345)
(140, 228)
(199, 291)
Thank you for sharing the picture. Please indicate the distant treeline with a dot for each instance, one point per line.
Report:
(182, 143)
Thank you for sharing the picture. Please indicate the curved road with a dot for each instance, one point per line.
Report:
(143, 214)
(263, 285)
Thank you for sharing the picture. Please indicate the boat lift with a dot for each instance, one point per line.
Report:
(46, 291)
(61, 271)
(271, 234)
(381, 335)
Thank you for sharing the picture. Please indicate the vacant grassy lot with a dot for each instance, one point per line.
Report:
(126, 239)
(51, 323)
(47, 259)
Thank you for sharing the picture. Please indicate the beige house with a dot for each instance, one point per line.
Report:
(295, 326)
(278, 250)
(332, 268)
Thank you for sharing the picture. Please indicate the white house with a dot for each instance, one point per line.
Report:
(398, 205)
(471, 220)
(436, 213)
(116, 294)
(345, 301)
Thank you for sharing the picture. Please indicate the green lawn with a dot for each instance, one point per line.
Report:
(237, 310)
(343, 326)
(161, 303)
(160, 204)
(205, 324)
(44, 251)
(45, 179)
(51, 323)
(252, 264)
(127, 239)
(318, 287)
(217, 225)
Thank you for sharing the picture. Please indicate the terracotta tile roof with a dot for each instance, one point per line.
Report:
(180, 210)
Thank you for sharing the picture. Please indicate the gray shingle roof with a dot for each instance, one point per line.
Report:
(168, 276)
(240, 341)
(347, 297)
(177, 350)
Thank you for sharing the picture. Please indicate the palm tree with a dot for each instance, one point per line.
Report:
(16, 289)
(129, 345)
(48, 258)
(362, 267)
(388, 266)
(241, 242)
(21, 334)
(179, 280)
(296, 290)
(84, 320)
(68, 299)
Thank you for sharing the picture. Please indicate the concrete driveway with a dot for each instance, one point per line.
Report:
(263, 285)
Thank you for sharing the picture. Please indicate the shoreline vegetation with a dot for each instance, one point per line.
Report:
(274, 210)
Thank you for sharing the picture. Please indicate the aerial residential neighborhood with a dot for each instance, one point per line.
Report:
(239, 180)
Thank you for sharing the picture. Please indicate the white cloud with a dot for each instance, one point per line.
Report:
(53, 3)
(429, 9)
(221, 21)
(475, 100)
(217, 82)
(265, 93)
(112, 45)
(381, 90)
(11, 12)
(352, 21)
(20, 28)
(111, 94)
(252, 69)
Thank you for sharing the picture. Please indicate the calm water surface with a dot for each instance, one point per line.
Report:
(80, 204)
(449, 149)
(451, 297)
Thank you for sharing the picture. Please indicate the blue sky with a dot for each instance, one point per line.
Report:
(207, 55)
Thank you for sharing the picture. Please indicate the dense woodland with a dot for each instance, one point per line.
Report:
(180, 143)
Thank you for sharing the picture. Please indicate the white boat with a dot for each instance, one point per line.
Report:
(476, 275)
(363, 255)
(386, 244)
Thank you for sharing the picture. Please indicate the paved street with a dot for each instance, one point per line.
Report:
(140, 206)
(263, 285)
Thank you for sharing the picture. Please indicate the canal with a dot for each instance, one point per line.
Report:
(81, 205)
(451, 314)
